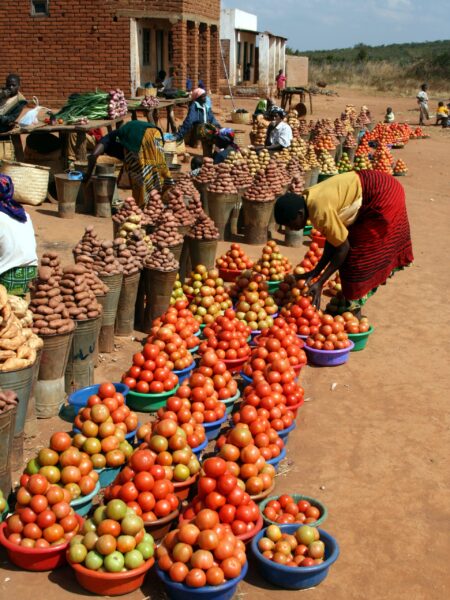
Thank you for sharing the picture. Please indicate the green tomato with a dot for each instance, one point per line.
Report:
(132, 525)
(305, 535)
(148, 538)
(181, 473)
(88, 526)
(133, 559)
(99, 515)
(93, 560)
(116, 509)
(77, 553)
(2, 504)
(33, 467)
(77, 539)
(146, 549)
(90, 539)
(114, 562)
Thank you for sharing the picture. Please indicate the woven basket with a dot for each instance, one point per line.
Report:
(240, 118)
(175, 147)
(239, 138)
(146, 92)
(6, 150)
(30, 181)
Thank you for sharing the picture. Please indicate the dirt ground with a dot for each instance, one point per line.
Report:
(372, 440)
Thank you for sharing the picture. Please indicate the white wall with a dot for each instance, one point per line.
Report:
(230, 20)
(272, 58)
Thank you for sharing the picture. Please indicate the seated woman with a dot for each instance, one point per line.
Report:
(18, 258)
(224, 141)
(279, 133)
(199, 120)
(11, 103)
(364, 219)
(139, 145)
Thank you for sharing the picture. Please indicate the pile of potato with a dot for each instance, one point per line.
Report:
(207, 172)
(204, 228)
(303, 128)
(50, 313)
(297, 184)
(131, 251)
(161, 259)
(277, 177)
(311, 157)
(154, 208)
(350, 141)
(8, 400)
(364, 117)
(166, 234)
(233, 157)
(51, 259)
(293, 167)
(96, 284)
(260, 190)
(20, 308)
(18, 344)
(327, 164)
(294, 122)
(97, 255)
(190, 192)
(177, 204)
(223, 182)
(339, 127)
(251, 158)
(128, 209)
(259, 132)
(77, 294)
(241, 174)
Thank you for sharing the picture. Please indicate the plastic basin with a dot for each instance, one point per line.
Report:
(159, 528)
(246, 379)
(111, 584)
(4, 513)
(185, 373)
(80, 397)
(249, 535)
(83, 504)
(199, 450)
(234, 365)
(307, 229)
(275, 462)
(360, 339)
(264, 494)
(328, 358)
(297, 498)
(295, 407)
(180, 591)
(35, 559)
(230, 275)
(129, 436)
(198, 333)
(284, 433)
(295, 578)
(107, 475)
(182, 488)
(213, 429)
(229, 402)
(194, 349)
(148, 402)
(320, 240)
(273, 286)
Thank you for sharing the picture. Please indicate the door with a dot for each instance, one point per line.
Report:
(159, 50)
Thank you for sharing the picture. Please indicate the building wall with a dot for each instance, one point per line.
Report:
(271, 59)
(85, 45)
(297, 70)
(232, 20)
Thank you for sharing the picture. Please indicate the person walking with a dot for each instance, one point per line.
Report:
(281, 82)
(422, 100)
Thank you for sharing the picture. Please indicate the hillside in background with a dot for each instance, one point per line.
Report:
(395, 66)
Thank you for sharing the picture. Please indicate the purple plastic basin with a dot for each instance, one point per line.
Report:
(328, 358)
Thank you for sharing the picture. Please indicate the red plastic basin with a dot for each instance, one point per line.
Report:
(182, 487)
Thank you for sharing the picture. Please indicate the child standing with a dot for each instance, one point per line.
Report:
(422, 100)
(389, 117)
(281, 82)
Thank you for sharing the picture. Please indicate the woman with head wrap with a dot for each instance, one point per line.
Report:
(364, 220)
(139, 145)
(200, 121)
(18, 259)
(279, 133)
(224, 141)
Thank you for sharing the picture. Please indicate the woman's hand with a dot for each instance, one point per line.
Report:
(315, 291)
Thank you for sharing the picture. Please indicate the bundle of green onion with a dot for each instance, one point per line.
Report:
(94, 106)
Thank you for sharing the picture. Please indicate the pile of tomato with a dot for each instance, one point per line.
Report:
(43, 516)
(179, 410)
(302, 316)
(227, 336)
(304, 548)
(276, 353)
(202, 552)
(312, 256)
(234, 259)
(173, 347)
(200, 391)
(143, 486)
(331, 334)
(252, 430)
(211, 366)
(352, 324)
(286, 509)
(180, 320)
(219, 490)
(151, 371)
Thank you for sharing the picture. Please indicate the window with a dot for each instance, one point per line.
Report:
(39, 8)
(238, 53)
(146, 46)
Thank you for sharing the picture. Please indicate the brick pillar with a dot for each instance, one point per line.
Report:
(215, 58)
(205, 55)
(193, 52)
(180, 53)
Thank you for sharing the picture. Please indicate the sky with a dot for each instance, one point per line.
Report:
(329, 24)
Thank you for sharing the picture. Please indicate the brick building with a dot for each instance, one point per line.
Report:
(63, 46)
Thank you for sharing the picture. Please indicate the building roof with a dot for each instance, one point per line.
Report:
(273, 35)
(247, 30)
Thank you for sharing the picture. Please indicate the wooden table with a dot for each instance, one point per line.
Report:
(64, 131)
(152, 113)
(288, 95)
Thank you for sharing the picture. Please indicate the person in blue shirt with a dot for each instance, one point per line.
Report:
(224, 142)
(200, 121)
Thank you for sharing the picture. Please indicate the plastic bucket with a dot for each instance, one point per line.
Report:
(220, 207)
(124, 324)
(7, 424)
(360, 339)
(49, 391)
(182, 488)
(103, 194)
(67, 191)
(80, 366)
(229, 402)
(107, 475)
(110, 303)
(212, 429)
(328, 358)
(257, 218)
(314, 175)
(159, 528)
(203, 252)
(180, 591)
(295, 578)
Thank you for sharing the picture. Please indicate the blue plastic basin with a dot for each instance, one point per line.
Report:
(295, 578)
(185, 373)
(229, 402)
(213, 429)
(80, 397)
(107, 475)
(276, 461)
(284, 433)
(198, 451)
(83, 504)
